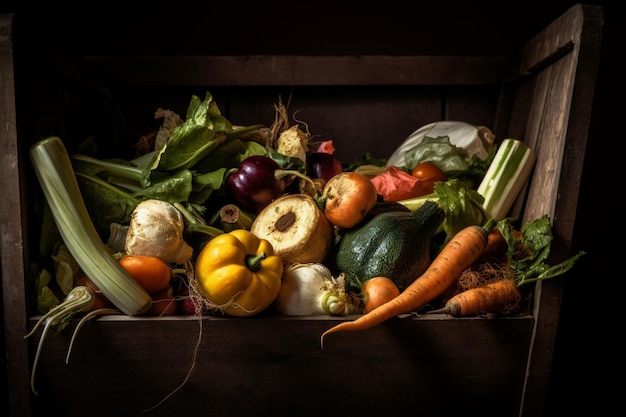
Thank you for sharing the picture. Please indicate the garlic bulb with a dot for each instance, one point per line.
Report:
(310, 289)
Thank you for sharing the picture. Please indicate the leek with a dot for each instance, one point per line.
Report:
(505, 177)
(58, 182)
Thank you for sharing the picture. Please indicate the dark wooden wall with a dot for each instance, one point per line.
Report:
(395, 27)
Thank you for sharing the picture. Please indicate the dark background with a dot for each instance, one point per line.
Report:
(587, 338)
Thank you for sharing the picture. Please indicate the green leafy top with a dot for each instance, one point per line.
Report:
(527, 252)
(189, 169)
(203, 130)
(463, 206)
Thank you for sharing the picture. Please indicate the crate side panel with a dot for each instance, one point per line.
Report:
(296, 70)
(279, 368)
(573, 80)
(12, 232)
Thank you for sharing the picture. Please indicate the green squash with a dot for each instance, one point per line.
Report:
(393, 244)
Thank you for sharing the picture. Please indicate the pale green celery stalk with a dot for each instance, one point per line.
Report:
(124, 173)
(417, 202)
(58, 182)
(505, 177)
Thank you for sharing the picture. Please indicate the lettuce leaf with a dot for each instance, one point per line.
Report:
(528, 251)
(463, 206)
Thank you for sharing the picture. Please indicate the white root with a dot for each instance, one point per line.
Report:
(79, 299)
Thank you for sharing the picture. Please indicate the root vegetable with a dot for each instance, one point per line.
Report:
(347, 198)
(254, 184)
(296, 228)
(496, 245)
(495, 297)
(79, 299)
(322, 165)
(156, 229)
(465, 248)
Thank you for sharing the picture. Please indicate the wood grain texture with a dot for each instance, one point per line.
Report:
(12, 229)
(274, 366)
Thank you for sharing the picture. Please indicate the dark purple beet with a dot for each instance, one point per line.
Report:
(253, 186)
(322, 165)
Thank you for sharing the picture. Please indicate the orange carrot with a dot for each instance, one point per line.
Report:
(466, 247)
(495, 297)
(496, 244)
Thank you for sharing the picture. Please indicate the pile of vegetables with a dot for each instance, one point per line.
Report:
(217, 219)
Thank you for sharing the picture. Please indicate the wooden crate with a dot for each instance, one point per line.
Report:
(269, 365)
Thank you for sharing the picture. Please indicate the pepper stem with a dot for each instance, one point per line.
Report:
(253, 262)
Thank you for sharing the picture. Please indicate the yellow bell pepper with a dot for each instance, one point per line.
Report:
(239, 272)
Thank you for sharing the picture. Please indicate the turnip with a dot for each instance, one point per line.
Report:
(156, 229)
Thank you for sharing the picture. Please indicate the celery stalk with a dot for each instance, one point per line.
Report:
(505, 177)
(58, 182)
(417, 202)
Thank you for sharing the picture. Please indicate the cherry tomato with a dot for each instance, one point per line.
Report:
(428, 173)
(377, 291)
(149, 271)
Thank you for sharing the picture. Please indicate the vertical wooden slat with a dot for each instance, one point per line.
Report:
(11, 232)
(562, 137)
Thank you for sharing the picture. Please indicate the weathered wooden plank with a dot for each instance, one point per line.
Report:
(275, 366)
(12, 250)
(575, 77)
(296, 70)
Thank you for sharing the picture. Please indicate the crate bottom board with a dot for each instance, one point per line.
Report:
(275, 366)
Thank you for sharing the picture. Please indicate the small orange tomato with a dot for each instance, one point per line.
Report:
(428, 173)
(163, 303)
(149, 271)
(377, 291)
(348, 197)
